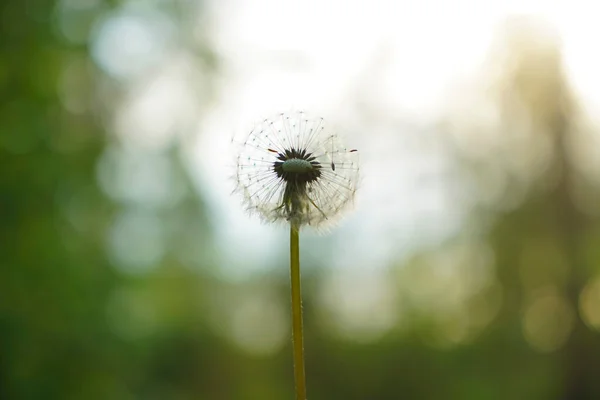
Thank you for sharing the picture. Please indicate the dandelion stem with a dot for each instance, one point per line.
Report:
(297, 333)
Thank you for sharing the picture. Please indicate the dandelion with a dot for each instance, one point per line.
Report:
(292, 168)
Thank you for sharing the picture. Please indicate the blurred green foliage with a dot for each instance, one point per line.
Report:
(73, 326)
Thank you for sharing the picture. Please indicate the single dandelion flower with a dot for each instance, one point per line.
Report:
(292, 168)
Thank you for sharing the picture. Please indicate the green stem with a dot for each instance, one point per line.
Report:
(297, 333)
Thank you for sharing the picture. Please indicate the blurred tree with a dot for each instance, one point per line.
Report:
(545, 242)
(542, 245)
(60, 297)
(54, 272)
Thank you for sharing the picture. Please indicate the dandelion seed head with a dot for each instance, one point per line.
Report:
(293, 168)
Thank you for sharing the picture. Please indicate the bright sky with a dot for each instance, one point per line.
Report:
(385, 72)
(317, 54)
(398, 59)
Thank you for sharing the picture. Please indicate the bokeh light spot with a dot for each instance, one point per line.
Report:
(361, 306)
(589, 304)
(130, 315)
(74, 18)
(547, 321)
(259, 326)
(160, 108)
(139, 177)
(130, 41)
(136, 241)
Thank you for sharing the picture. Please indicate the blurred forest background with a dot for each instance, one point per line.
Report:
(111, 268)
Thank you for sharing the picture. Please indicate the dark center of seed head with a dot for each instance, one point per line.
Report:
(297, 166)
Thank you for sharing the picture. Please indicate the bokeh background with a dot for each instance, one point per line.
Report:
(469, 269)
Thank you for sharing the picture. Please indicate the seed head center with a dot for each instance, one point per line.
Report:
(296, 165)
